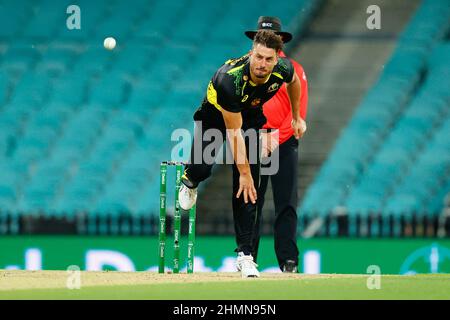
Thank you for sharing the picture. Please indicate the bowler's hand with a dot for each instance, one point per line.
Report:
(299, 126)
(247, 187)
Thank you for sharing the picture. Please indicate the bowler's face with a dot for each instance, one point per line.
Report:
(262, 61)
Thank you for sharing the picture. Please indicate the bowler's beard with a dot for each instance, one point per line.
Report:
(261, 74)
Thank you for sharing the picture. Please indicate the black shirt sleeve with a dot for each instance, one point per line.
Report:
(286, 69)
(226, 93)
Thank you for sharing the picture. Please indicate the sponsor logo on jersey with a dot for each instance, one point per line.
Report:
(273, 87)
(256, 102)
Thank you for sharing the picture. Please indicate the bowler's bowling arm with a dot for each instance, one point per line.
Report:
(233, 124)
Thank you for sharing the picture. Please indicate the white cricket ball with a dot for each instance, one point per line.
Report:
(109, 43)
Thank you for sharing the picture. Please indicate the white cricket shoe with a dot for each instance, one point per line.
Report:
(246, 266)
(187, 197)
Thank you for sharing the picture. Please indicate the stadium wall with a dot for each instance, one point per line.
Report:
(348, 256)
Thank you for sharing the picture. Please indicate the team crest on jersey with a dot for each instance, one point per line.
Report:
(256, 102)
(273, 87)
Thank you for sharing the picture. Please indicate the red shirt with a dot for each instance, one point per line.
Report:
(278, 109)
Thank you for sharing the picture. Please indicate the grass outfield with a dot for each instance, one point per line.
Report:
(216, 286)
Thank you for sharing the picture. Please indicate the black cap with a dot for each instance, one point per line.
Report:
(270, 23)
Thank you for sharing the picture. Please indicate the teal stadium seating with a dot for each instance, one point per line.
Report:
(394, 156)
(84, 128)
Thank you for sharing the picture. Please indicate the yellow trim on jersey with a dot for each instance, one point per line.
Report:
(243, 87)
(235, 69)
(277, 75)
(211, 95)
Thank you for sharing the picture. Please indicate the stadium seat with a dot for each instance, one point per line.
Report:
(398, 135)
(87, 127)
